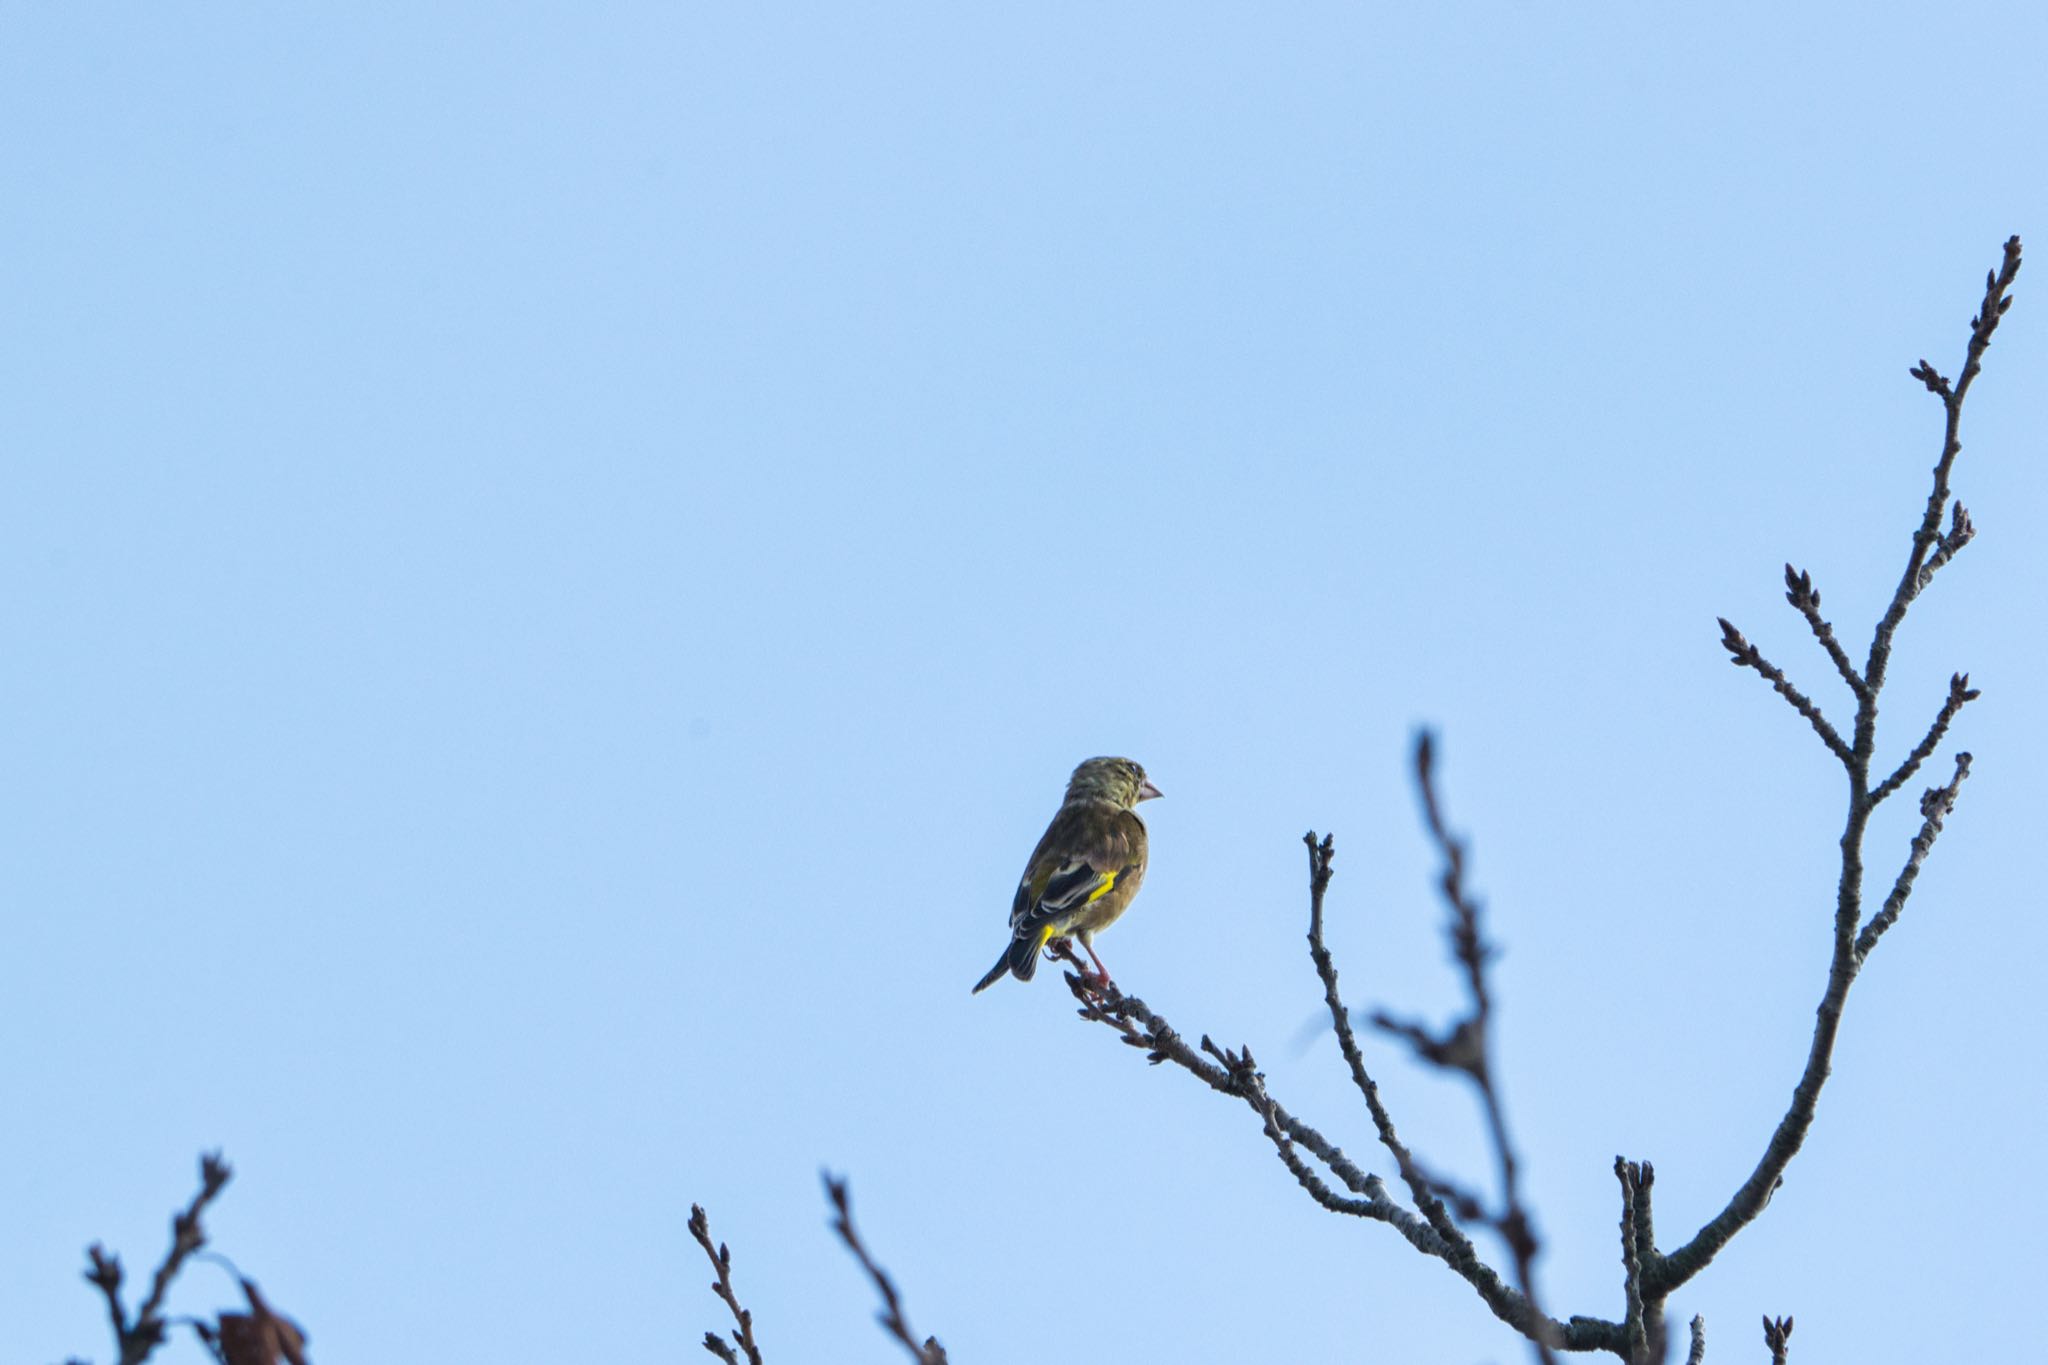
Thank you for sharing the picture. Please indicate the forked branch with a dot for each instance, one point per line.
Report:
(1650, 1276)
(1930, 548)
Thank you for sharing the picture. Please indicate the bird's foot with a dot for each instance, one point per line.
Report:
(1062, 950)
(1094, 980)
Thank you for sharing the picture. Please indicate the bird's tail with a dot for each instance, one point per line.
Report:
(995, 974)
(1020, 960)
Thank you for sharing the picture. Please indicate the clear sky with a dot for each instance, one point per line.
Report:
(556, 560)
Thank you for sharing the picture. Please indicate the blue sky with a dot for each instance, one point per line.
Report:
(558, 560)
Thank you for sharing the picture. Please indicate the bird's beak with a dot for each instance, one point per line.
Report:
(1148, 791)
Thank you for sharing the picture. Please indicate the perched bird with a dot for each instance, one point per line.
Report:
(1085, 869)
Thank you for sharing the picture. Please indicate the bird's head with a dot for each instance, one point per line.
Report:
(1118, 781)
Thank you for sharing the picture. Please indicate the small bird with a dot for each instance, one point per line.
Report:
(1085, 869)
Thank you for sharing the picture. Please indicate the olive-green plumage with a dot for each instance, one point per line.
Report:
(1085, 870)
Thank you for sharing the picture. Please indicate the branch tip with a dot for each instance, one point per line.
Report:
(1799, 589)
(1777, 1335)
(891, 1317)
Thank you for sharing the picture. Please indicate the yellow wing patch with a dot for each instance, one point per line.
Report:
(1052, 928)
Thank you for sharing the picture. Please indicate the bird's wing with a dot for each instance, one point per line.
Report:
(1079, 860)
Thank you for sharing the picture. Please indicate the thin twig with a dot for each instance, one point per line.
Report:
(1468, 1047)
(1304, 1174)
(1961, 532)
(891, 1317)
(1234, 1074)
(1698, 1354)
(1919, 569)
(1638, 1305)
(1320, 855)
(1805, 599)
(1743, 654)
(187, 1236)
(721, 1261)
(1935, 805)
(136, 1338)
(1960, 694)
(1646, 1230)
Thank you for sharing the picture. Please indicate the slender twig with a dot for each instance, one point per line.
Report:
(1698, 1354)
(1960, 694)
(1646, 1224)
(1643, 1318)
(1935, 805)
(1304, 1174)
(721, 1261)
(187, 1236)
(1233, 1073)
(1961, 532)
(1469, 1045)
(1919, 567)
(1140, 1027)
(135, 1338)
(891, 1317)
(1320, 855)
(1743, 654)
(1805, 599)
(1777, 1335)
(105, 1275)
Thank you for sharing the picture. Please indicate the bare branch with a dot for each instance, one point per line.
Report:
(1960, 694)
(186, 1234)
(1468, 944)
(1935, 804)
(1139, 1027)
(1919, 567)
(891, 1317)
(1698, 1354)
(721, 1261)
(1304, 1174)
(1805, 599)
(1644, 1323)
(1961, 532)
(105, 1275)
(1743, 654)
(1850, 947)
(136, 1339)
(1320, 855)
(1234, 1073)
(1468, 1047)
(1645, 1176)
